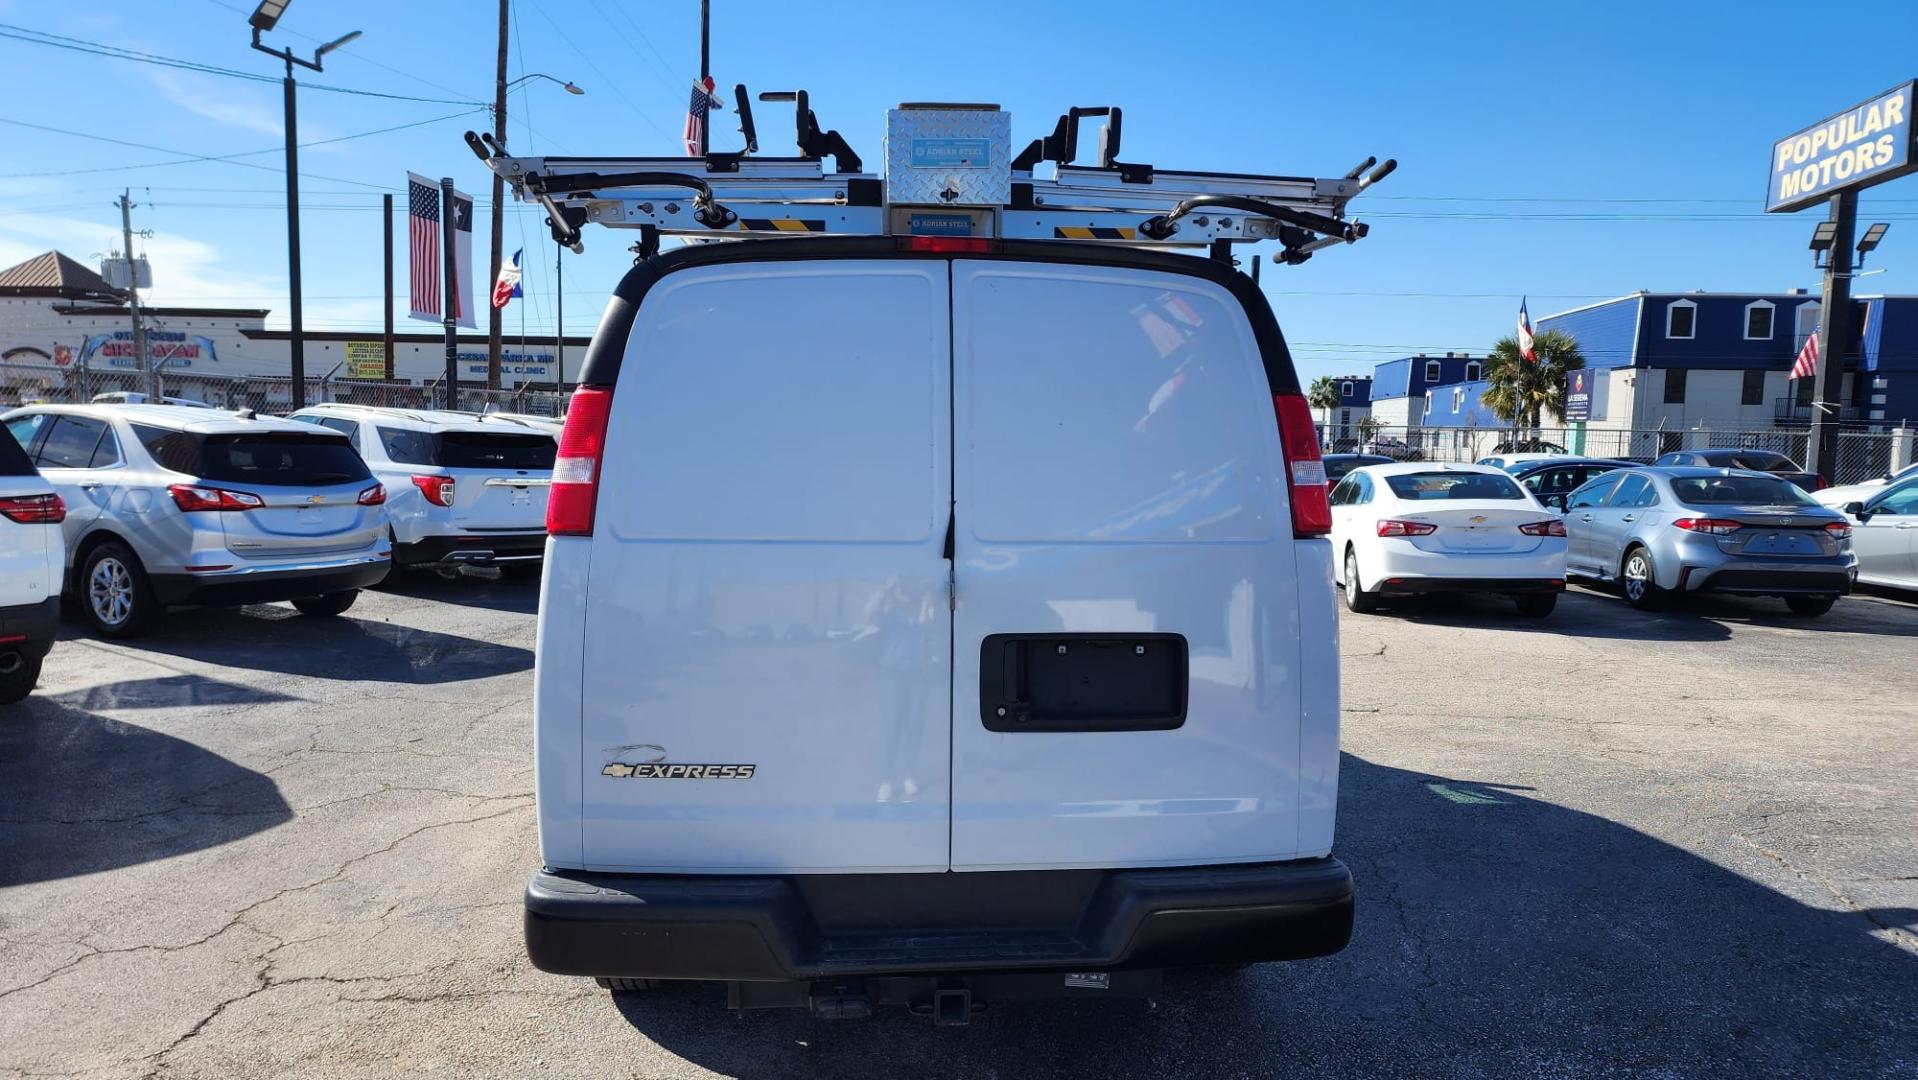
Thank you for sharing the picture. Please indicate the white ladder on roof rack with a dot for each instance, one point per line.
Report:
(950, 172)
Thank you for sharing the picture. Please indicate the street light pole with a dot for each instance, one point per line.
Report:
(264, 18)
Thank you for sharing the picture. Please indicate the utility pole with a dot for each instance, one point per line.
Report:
(705, 45)
(559, 316)
(499, 207)
(141, 358)
(1822, 456)
(449, 309)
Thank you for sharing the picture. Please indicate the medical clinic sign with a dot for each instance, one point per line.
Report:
(1865, 145)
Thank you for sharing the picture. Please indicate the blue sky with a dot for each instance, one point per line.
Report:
(1569, 152)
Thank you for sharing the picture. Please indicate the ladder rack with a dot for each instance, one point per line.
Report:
(949, 172)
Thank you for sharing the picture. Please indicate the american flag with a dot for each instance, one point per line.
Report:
(696, 110)
(1525, 333)
(423, 246)
(1807, 362)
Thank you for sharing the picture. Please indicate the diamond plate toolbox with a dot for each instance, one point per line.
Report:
(948, 156)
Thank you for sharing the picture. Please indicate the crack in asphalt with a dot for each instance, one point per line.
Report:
(1900, 936)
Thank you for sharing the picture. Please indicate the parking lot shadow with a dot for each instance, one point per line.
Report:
(168, 692)
(480, 588)
(80, 793)
(1580, 613)
(1497, 933)
(343, 648)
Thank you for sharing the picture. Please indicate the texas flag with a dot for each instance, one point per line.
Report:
(507, 286)
(1525, 333)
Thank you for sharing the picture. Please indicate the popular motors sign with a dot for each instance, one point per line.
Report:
(1864, 145)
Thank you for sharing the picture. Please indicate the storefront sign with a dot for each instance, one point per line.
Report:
(366, 360)
(1578, 396)
(1864, 145)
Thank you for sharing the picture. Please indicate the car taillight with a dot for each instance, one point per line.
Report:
(1819, 483)
(437, 489)
(582, 447)
(193, 498)
(373, 496)
(1305, 473)
(1395, 527)
(1715, 526)
(1839, 530)
(1553, 527)
(34, 509)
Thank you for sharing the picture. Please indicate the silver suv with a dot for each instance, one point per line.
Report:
(169, 505)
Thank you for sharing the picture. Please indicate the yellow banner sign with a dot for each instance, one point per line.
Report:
(366, 360)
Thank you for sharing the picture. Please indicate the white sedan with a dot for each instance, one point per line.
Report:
(1418, 528)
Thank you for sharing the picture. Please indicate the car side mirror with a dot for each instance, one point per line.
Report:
(1857, 510)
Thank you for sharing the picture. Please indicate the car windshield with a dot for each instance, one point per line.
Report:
(1760, 460)
(262, 458)
(1738, 491)
(1425, 486)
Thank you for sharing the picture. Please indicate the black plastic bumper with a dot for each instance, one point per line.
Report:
(1414, 585)
(715, 927)
(480, 548)
(36, 622)
(264, 588)
(1836, 581)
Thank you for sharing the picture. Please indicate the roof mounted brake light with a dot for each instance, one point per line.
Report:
(951, 245)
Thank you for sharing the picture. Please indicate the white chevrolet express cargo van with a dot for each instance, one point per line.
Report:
(928, 618)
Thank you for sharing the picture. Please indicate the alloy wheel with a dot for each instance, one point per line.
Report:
(110, 591)
(1636, 573)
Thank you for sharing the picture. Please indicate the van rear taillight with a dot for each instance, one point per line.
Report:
(950, 245)
(582, 447)
(1305, 473)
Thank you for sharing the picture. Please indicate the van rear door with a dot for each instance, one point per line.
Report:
(1127, 652)
(764, 663)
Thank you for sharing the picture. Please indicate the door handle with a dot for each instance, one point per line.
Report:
(90, 487)
(1629, 517)
(1587, 517)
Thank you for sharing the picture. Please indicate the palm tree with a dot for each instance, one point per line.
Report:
(1522, 391)
(1324, 393)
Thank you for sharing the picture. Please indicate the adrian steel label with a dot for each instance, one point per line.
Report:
(951, 154)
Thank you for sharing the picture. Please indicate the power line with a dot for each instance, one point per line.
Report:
(228, 159)
(115, 52)
(350, 54)
(614, 86)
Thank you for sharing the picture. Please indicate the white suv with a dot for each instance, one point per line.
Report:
(168, 505)
(32, 556)
(920, 625)
(461, 489)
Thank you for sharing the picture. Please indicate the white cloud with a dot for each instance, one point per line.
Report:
(220, 101)
(186, 272)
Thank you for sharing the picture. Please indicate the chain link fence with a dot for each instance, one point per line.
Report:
(1862, 454)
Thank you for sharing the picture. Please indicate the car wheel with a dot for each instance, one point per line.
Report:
(1356, 598)
(115, 596)
(19, 682)
(1536, 605)
(1640, 582)
(1810, 605)
(332, 603)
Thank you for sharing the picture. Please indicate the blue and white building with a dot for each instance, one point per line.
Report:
(1355, 404)
(1676, 361)
(1399, 387)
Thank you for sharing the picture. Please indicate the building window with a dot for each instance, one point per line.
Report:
(1432, 372)
(1754, 392)
(1458, 400)
(1345, 389)
(1681, 319)
(1674, 386)
(1805, 321)
(1473, 371)
(1345, 419)
(1758, 320)
(1428, 403)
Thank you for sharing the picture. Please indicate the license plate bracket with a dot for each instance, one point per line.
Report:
(1083, 682)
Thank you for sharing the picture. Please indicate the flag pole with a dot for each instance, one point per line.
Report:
(449, 316)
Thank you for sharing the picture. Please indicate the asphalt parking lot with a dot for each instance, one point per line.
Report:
(1606, 842)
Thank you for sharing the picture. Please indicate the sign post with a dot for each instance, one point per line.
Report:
(1829, 162)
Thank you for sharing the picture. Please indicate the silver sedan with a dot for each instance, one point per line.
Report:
(1663, 532)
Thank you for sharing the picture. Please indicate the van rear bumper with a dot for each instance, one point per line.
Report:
(773, 929)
